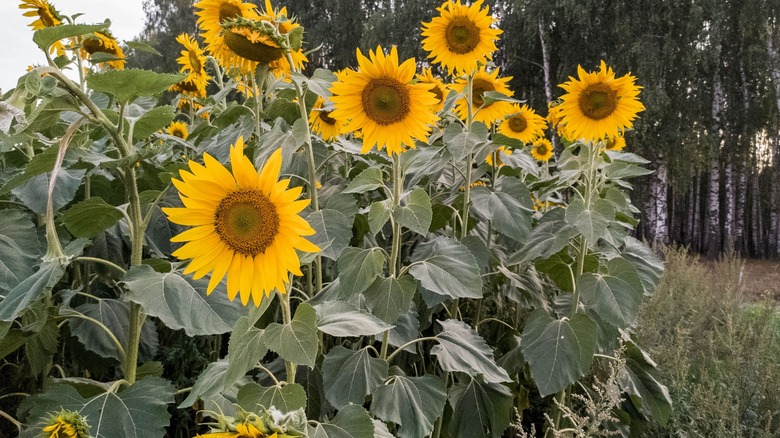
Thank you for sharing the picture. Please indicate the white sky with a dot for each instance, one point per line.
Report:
(17, 50)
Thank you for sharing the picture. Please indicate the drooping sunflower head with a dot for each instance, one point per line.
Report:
(245, 225)
(178, 129)
(616, 143)
(483, 111)
(380, 100)
(322, 122)
(103, 42)
(523, 124)
(497, 154)
(598, 105)
(542, 149)
(439, 89)
(65, 424)
(46, 16)
(193, 58)
(460, 37)
(212, 14)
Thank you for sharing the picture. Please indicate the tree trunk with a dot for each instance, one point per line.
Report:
(740, 243)
(728, 223)
(546, 74)
(713, 235)
(659, 188)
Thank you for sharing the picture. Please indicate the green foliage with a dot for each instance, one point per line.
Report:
(295, 341)
(127, 85)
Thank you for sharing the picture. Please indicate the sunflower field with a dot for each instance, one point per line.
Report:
(380, 251)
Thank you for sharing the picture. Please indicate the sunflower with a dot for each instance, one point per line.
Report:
(524, 124)
(482, 83)
(247, 430)
(598, 105)
(616, 143)
(542, 149)
(47, 16)
(178, 129)
(187, 104)
(103, 42)
(439, 89)
(380, 100)
(211, 16)
(192, 62)
(65, 424)
(245, 225)
(461, 36)
(322, 123)
(504, 149)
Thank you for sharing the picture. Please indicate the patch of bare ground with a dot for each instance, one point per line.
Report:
(760, 280)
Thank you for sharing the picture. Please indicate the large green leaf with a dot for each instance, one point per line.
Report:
(34, 192)
(359, 267)
(590, 222)
(344, 319)
(462, 349)
(90, 217)
(350, 422)
(19, 248)
(210, 383)
(646, 393)
(39, 164)
(49, 35)
(287, 398)
(141, 410)
(30, 289)
(297, 341)
(114, 315)
(128, 84)
(152, 121)
(511, 215)
(415, 212)
(544, 240)
(388, 298)
(479, 409)
(559, 351)
(349, 376)
(378, 215)
(458, 142)
(649, 267)
(366, 180)
(333, 232)
(446, 267)
(179, 303)
(413, 403)
(245, 348)
(616, 295)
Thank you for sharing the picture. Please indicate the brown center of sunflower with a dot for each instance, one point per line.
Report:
(385, 100)
(479, 87)
(598, 101)
(325, 117)
(177, 132)
(46, 18)
(253, 51)
(462, 35)
(438, 92)
(247, 221)
(611, 143)
(228, 11)
(186, 85)
(518, 123)
(541, 149)
(197, 67)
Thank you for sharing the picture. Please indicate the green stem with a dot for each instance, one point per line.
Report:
(469, 158)
(290, 367)
(412, 342)
(395, 249)
(100, 261)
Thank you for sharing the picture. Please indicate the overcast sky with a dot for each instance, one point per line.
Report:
(18, 51)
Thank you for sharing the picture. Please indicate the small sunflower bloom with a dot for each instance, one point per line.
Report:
(245, 225)
(523, 124)
(598, 105)
(192, 62)
(617, 143)
(439, 89)
(542, 149)
(65, 424)
(322, 122)
(461, 37)
(380, 101)
(489, 158)
(103, 41)
(482, 83)
(46, 16)
(178, 129)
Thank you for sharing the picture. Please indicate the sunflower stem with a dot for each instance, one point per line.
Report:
(289, 367)
(395, 249)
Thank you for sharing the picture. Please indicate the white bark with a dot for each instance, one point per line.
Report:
(713, 239)
(728, 223)
(659, 190)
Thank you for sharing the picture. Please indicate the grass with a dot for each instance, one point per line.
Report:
(717, 348)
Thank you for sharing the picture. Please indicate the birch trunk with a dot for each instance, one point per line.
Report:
(546, 73)
(740, 242)
(713, 238)
(728, 223)
(659, 194)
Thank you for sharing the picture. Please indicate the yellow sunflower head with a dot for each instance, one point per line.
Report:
(186, 105)
(460, 37)
(439, 89)
(524, 124)
(542, 149)
(617, 143)
(65, 424)
(212, 14)
(322, 123)
(46, 16)
(192, 86)
(103, 42)
(178, 129)
(245, 225)
(192, 58)
(380, 100)
(482, 83)
(504, 149)
(599, 105)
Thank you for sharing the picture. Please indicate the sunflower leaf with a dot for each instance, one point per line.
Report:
(291, 397)
(462, 349)
(490, 97)
(480, 409)
(128, 84)
(19, 248)
(349, 376)
(245, 348)
(388, 298)
(90, 217)
(153, 121)
(297, 341)
(510, 213)
(344, 319)
(446, 267)
(351, 422)
(616, 295)
(47, 36)
(366, 180)
(30, 289)
(359, 267)
(416, 214)
(414, 403)
(333, 232)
